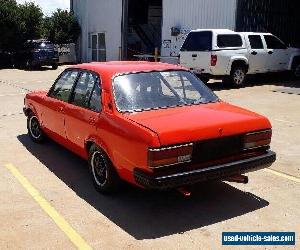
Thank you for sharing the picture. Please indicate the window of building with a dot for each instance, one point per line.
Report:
(229, 41)
(98, 47)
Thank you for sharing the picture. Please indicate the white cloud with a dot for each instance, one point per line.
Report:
(49, 6)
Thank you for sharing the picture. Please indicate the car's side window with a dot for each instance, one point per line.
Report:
(95, 101)
(63, 86)
(87, 92)
(256, 42)
(83, 89)
(274, 43)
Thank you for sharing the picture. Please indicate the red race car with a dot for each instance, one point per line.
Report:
(154, 125)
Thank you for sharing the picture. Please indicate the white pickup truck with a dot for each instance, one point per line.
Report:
(228, 55)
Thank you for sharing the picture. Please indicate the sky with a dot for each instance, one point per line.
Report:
(49, 6)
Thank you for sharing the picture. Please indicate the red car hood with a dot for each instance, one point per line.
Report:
(200, 122)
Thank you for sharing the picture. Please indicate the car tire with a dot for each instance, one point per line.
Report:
(35, 132)
(296, 71)
(103, 173)
(54, 66)
(238, 76)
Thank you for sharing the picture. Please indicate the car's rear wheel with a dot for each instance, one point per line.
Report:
(296, 70)
(34, 129)
(54, 66)
(238, 76)
(104, 175)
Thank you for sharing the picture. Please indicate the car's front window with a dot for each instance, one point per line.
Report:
(154, 90)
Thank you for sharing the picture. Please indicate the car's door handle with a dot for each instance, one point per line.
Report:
(194, 55)
(61, 109)
(270, 52)
(254, 53)
(92, 121)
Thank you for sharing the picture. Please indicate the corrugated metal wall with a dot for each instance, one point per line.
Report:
(280, 17)
(195, 14)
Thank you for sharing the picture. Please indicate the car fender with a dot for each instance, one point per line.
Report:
(234, 59)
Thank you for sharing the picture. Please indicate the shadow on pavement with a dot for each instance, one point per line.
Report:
(276, 79)
(144, 214)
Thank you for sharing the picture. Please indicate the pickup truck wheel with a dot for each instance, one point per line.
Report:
(296, 71)
(54, 66)
(105, 177)
(34, 129)
(238, 76)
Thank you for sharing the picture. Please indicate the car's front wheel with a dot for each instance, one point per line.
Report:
(34, 129)
(104, 175)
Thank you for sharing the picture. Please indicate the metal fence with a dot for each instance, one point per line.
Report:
(280, 17)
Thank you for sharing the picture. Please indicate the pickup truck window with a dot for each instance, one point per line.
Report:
(198, 41)
(230, 41)
(274, 43)
(83, 90)
(256, 42)
(63, 86)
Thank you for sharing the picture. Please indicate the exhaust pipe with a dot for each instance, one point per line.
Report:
(238, 179)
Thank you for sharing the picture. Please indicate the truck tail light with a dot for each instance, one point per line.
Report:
(213, 60)
(162, 157)
(257, 139)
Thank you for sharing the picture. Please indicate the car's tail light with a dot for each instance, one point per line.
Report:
(162, 157)
(213, 60)
(257, 139)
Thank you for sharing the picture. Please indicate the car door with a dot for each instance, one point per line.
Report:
(195, 52)
(258, 55)
(82, 113)
(53, 119)
(278, 56)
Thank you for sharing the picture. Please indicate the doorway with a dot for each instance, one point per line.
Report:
(142, 27)
(98, 47)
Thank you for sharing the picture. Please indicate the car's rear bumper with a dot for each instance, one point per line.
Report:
(219, 172)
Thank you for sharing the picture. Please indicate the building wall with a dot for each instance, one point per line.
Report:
(96, 16)
(106, 16)
(194, 14)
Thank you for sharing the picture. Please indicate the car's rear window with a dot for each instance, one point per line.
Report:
(198, 41)
(230, 41)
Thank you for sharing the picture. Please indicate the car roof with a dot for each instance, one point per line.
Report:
(108, 70)
(254, 33)
(216, 31)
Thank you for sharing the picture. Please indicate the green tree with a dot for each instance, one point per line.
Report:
(31, 17)
(9, 25)
(62, 27)
(18, 23)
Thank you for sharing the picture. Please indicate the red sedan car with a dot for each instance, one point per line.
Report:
(154, 125)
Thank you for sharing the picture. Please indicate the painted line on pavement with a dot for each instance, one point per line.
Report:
(77, 240)
(280, 174)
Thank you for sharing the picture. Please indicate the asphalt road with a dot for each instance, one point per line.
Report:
(47, 199)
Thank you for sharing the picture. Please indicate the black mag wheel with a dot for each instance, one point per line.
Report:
(104, 175)
(34, 129)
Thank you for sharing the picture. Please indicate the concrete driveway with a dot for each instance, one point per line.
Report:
(48, 201)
